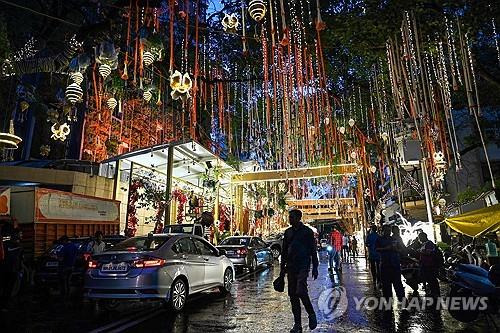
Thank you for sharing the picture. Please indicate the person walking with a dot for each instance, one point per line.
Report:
(429, 264)
(345, 247)
(299, 251)
(10, 267)
(390, 267)
(67, 263)
(373, 256)
(354, 246)
(97, 245)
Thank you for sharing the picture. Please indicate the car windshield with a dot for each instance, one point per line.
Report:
(178, 229)
(57, 248)
(141, 244)
(236, 241)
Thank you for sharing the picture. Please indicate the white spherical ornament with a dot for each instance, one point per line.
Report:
(104, 70)
(74, 93)
(112, 103)
(351, 122)
(76, 77)
(342, 129)
(385, 136)
(148, 58)
(257, 9)
(354, 154)
(373, 169)
(147, 95)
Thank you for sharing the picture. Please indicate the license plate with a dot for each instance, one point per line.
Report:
(51, 264)
(114, 267)
(229, 252)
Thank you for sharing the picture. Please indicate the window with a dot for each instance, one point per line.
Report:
(205, 248)
(236, 241)
(141, 244)
(184, 246)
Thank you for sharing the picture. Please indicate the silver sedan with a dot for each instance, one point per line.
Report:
(162, 266)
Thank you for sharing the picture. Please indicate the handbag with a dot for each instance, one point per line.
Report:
(279, 284)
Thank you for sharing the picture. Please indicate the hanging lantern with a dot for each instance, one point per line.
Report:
(230, 23)
(9, 140)
(74, 92)
(104, 70)
(257, 9)
(76, 77)
(60, 132)
(147, 95)
(342, 129)
(148, 58)
(112, 103)
(351, 122)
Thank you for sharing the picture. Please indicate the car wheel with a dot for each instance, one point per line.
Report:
(253, 265)
(228, 282)
(276, 252)
(178, 295)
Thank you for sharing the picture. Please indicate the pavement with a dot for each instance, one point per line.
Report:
(253, 306)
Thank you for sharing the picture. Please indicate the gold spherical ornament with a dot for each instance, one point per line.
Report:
(76, 77)
(111, 103)
(148, 58)
(257, 9)
(74, 92)
(104, 70)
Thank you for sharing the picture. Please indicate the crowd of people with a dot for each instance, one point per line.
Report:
(385, 250)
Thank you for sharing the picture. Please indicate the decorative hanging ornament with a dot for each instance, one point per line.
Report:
(181, 85)
(24, 106)
(112, 103)
(354, 155)
(351, 122)
(104, 70)
(76, 77)
(385, 136)
(373, 169)
(327, 121)
(257, 9)
(148, 58)
(230, 23)
(44, 150)
(74, 93)
(10, 140)
(342, 129)
(147, 95)
(60, 132)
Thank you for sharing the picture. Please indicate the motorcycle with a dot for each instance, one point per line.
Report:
(471, 281)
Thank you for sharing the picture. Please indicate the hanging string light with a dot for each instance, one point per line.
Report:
(74, 93)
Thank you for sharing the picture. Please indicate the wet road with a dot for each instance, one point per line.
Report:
(254, 306)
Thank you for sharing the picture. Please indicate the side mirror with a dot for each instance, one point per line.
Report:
(222, 252)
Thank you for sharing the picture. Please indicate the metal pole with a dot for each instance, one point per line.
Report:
(128, 195)
(428, 201)
(168, 188)
(116, 181)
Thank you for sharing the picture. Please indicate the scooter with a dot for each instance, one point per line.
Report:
(470, 282)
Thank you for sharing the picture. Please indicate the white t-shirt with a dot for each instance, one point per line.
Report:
(345, 241)
(97, 248)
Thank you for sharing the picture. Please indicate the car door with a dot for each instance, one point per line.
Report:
(187, 253)
(213, 267)
(257, 249)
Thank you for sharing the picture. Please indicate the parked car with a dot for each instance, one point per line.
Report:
(247, 251)
(192, 229)
(47, 266)
(168, 267)
(275, 242)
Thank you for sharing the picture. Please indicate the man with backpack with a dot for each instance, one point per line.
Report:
(431, 260)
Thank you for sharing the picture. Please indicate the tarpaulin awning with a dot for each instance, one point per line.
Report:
(476, 222)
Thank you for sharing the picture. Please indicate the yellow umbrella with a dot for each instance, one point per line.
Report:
(476, 222)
